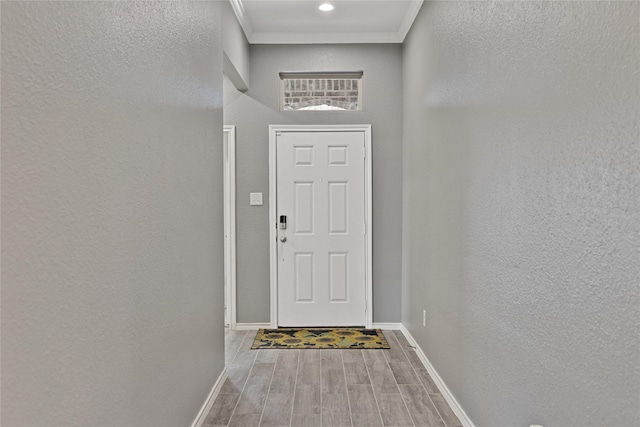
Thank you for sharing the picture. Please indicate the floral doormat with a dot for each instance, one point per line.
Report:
(321, 338)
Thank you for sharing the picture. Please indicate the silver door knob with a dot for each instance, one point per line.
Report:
(283, 239)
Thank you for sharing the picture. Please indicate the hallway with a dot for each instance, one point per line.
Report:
(307, 387)
(504, 231)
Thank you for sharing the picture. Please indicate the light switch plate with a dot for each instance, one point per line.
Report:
(255, 199)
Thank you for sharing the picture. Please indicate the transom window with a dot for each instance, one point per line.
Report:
(324, 91)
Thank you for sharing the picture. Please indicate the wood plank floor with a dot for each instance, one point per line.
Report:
(308, 388)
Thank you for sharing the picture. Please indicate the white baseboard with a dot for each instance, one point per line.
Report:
(251, 326)
(254, 326)
(444, 390)
(204, 411)
(392, 326)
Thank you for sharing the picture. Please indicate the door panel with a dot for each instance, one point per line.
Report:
(304, 277)
(303, 202)
(321, 265)
(338, 208)
(338, 277)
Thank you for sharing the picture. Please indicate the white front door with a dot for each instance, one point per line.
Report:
(321, 253)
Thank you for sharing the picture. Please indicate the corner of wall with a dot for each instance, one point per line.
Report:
(236, 50)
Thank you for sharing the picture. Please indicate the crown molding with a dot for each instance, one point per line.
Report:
(238, 9)
(326, 38)
(409, 17)
(323, 38)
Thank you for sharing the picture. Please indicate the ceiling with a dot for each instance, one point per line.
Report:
(300, 21)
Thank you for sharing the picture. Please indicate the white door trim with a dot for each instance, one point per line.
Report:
(230, 243)
(273, 245)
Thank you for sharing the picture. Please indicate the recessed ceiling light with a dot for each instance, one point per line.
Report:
(326, 7)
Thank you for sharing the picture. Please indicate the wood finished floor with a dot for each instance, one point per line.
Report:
(310, 388)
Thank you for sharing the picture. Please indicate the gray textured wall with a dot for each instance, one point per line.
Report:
(522, 207)
(112, 274)
(255, 110)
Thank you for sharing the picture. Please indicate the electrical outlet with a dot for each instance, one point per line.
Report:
(424, 317)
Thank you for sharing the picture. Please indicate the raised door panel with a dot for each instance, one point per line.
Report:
(303, 207)
(338, 208)
(303, 266)
(338, 277)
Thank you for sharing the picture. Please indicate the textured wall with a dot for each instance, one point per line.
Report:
(522, 207)
(112, 274)
(255, 110)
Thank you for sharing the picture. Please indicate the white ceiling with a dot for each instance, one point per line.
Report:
(300, 21)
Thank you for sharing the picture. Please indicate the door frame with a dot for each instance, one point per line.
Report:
(274, 130)
(230, 226)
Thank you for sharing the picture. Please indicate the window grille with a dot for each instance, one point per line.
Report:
(326, 91)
